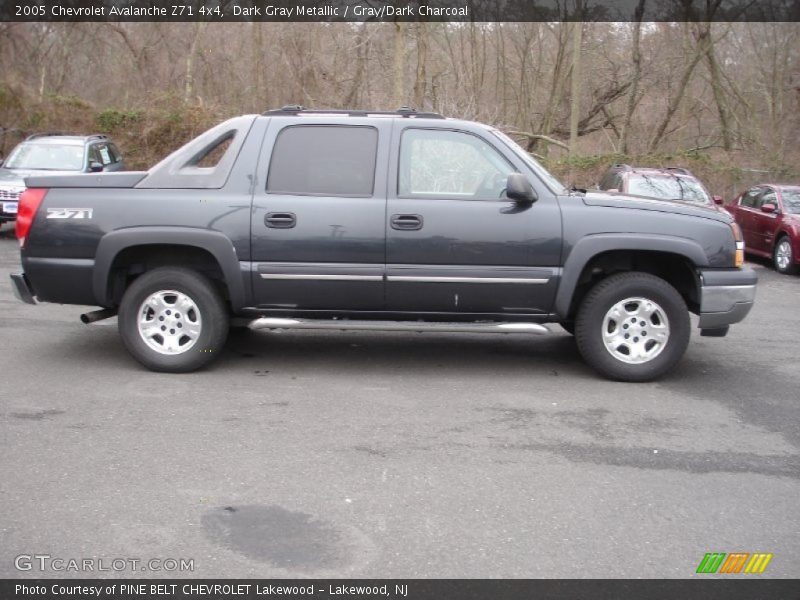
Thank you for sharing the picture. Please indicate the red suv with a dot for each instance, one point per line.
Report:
(769, 216)
(670, 183)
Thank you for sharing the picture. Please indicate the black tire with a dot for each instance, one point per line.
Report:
(589, 326)
(212, 324)
(790, 268)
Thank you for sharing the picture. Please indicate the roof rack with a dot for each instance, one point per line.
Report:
(680, 170)
(43, 134)
(292, 110)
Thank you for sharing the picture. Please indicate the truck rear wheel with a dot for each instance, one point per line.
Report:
(173, 320)
(632, 327)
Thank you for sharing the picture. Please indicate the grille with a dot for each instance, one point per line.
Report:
(9, 194)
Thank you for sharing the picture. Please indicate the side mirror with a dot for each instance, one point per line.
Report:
(769, 208)
(519, 189)
(718, 200)
(95, 167)
(1, 162)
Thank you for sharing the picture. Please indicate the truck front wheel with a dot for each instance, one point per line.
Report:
(632, 327)
(173, 320)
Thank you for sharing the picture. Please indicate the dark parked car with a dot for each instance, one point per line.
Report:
(769, 216)
(361, 220)
(670, 183)
(53, 153)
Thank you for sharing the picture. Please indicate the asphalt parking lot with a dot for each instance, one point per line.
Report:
(310, 454)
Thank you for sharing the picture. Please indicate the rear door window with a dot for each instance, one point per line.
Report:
(324, 160)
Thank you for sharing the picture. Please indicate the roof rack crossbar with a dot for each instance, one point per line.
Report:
(33, 136)
(681, 170)
(95, 136)
(403, 111)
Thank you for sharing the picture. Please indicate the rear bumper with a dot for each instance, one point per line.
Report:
(22, 288)
(726, 297)
(61, 280)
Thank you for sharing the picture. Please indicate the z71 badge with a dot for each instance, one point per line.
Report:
(69, 213)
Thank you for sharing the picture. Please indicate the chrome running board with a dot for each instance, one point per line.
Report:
(421, 326)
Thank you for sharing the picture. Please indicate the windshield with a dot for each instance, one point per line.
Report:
(669, 188)
(540, 171)
(791, 201)
(50, 157)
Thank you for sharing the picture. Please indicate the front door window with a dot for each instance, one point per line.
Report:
(450, 165)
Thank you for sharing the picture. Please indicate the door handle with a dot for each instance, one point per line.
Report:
(280, 220)
(406, 222)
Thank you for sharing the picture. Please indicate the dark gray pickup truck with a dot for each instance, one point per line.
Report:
(354, 220)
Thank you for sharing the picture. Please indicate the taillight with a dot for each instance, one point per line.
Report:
(737, 236)
(29, 203)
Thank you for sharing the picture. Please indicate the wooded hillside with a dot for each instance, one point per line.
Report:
(720, 98)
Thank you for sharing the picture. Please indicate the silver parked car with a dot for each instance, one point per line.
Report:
(53, 154)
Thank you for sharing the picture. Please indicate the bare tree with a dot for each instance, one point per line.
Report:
(636, 61)
(188, 89)
(575, 101)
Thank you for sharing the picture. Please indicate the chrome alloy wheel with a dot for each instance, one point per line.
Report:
(635, 330)
(783, 255)
(169, 322)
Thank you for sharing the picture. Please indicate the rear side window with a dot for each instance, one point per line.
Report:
(611, 181)
(324, 160)
(210, 156)
(607, 181)
(188, 168)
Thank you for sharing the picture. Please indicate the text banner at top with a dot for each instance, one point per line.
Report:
(401, 10)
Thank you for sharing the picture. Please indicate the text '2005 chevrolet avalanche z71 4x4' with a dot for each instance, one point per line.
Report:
(362, 220)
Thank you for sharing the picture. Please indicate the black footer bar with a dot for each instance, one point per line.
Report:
(399, 589)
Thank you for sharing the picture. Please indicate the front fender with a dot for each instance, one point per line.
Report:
(216, 243)
(593, 245)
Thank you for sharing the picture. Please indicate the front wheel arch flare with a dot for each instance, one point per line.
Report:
(590, 247)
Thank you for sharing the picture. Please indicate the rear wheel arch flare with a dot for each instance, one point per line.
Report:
(162, 246)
